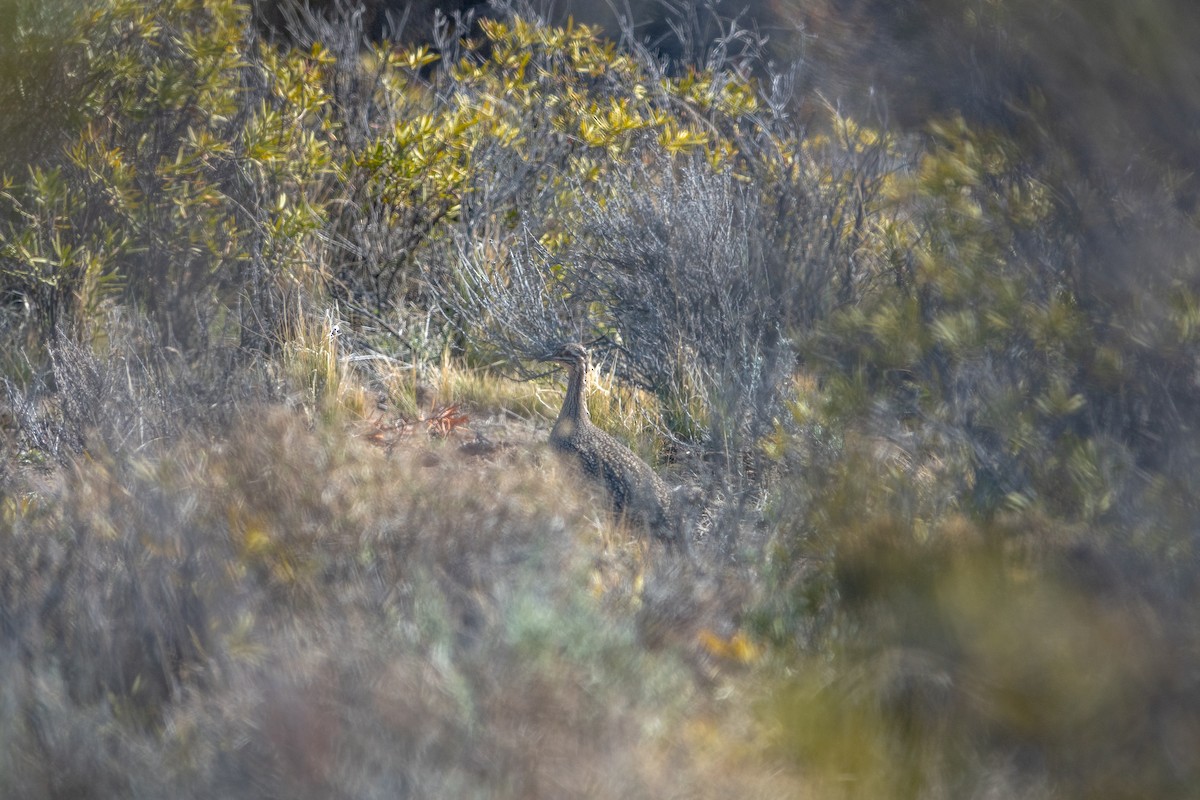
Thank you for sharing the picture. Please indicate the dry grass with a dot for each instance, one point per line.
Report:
(321, 598)
(630, 414)
(312, 362)
(293, 611)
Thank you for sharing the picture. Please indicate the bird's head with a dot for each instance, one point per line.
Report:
(570, 354)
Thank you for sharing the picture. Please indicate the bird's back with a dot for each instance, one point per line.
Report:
(634, 488)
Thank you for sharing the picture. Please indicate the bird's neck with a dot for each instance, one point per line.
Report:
(574, 409)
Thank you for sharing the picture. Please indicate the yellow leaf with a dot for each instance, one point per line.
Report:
(737, 648)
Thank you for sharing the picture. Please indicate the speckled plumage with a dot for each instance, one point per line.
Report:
(633, 487)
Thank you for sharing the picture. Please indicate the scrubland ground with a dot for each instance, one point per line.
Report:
(277, 518)
(350, 606)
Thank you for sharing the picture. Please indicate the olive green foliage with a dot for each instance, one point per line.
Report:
(511, 129)
(974, 336)
(41, 83)
(188, 188)
(273, 522)
(981, 544)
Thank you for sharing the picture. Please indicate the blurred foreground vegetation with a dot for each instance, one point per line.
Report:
(275, 514)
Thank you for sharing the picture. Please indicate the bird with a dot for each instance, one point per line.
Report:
(634, 489)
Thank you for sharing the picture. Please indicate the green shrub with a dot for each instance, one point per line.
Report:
(191, 188)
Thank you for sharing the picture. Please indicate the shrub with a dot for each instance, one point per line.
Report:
(190, 190)
(294, 611)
